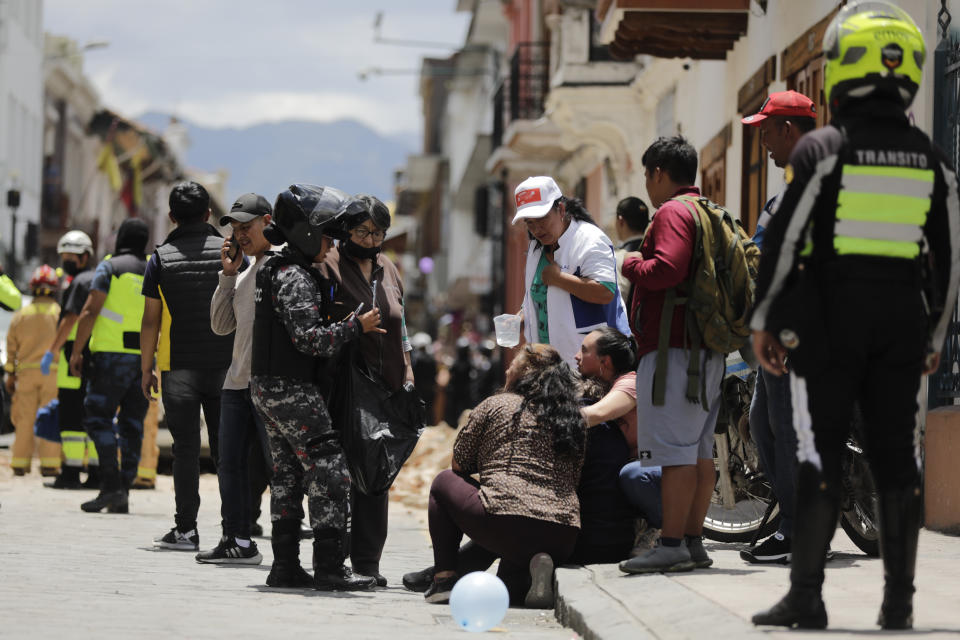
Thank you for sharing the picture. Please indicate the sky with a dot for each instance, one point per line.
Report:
(239, 62)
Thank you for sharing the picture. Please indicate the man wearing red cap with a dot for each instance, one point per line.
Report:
(783, 119)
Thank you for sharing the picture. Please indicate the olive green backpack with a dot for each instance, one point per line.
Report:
(719, 294)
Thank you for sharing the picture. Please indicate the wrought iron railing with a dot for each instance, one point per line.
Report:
(529, 80)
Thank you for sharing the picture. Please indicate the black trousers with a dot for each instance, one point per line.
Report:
(368, 532)
(876, 331)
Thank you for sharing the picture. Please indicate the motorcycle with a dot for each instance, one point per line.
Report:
(744, 507)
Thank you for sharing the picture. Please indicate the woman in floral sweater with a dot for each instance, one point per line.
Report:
(527, 446)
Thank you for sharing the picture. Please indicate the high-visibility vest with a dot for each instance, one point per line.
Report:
(117, 328)
(881, 211)
(64, 379)
(10, 297)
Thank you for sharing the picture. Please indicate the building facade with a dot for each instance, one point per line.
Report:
(21, 122)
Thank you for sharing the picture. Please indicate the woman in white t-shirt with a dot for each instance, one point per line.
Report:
(571, 272)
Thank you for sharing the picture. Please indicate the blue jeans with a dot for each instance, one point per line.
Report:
(114, 381)
(184, 392)
(641, 486)
(239, 425)
(771, 426)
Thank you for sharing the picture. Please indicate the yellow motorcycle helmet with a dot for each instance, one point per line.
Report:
(873, 49)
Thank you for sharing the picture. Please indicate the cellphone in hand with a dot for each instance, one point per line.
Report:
(233, 249)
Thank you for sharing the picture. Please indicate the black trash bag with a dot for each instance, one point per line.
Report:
(378, 429)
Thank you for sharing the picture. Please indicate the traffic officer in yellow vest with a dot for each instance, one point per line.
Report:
(76, 255)
(857, 284)
(31, 330)
(110, 319)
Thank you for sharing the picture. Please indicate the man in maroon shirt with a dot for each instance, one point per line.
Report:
(677, 434)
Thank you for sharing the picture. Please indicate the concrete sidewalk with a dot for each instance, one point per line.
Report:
(67, 574)
(601, 602)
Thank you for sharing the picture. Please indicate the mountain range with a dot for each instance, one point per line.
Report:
(267, 158)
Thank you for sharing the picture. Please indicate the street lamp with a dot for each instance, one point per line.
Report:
(13, 201)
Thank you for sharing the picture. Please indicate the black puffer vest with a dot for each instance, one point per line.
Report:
(189, 266)
(274, 353)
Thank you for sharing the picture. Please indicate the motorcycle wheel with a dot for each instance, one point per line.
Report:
(740, 518)
(859, 515)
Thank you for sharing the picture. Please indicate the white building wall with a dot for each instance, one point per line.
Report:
(21, 113)
(706, 92)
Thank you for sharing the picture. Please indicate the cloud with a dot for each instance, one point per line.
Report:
(238, 62)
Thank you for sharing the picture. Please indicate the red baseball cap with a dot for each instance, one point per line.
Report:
(783, 103)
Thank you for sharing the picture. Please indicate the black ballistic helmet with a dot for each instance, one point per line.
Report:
(304, 213)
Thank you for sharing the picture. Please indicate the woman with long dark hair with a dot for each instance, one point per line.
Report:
(610, 481)
(527, 445)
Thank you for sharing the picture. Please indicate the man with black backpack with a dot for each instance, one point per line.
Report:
(673, 432)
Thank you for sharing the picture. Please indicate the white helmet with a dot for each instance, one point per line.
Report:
(75, 241)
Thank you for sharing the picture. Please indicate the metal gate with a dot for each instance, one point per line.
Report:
(945, 385)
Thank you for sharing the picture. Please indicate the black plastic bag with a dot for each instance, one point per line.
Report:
(378, 429)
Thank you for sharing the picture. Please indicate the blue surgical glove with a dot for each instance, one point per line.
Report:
(45, 363)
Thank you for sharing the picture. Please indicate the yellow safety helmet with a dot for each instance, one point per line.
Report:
(873, 49)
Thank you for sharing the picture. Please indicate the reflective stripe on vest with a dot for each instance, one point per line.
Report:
(64, 379)
(74, 444)
(881, 211)
(117, 328)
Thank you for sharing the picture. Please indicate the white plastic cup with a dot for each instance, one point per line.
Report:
(507, 327)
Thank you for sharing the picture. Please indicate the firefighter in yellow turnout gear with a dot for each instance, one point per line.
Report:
(76, 255)
(31, 330)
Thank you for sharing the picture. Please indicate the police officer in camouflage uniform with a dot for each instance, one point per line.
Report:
(291, 339)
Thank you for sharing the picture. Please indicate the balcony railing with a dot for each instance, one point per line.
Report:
(529, 80)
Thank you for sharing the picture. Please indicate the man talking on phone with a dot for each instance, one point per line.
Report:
(179, 282)
(232, 312)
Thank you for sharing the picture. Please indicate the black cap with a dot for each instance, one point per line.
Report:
(246, 208)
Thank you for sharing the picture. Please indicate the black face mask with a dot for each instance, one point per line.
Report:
(359, 252)
(71, 267)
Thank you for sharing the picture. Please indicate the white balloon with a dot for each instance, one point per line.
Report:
(479, 601)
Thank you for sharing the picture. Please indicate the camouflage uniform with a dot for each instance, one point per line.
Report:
(307, 457)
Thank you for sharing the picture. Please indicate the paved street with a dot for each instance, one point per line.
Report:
(602, 602)
(70, 574)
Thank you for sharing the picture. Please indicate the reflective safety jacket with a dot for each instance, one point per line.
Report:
(873, 198)
(10, 297)
(117, 328)
(64, 379)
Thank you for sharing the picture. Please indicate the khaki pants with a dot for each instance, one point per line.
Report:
(33, 390)
(149, 451)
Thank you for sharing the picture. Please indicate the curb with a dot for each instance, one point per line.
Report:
(600, 603)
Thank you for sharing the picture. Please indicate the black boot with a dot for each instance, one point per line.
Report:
(69, 478)
(817, 509)
(112, 497)
(286, 572)
(93, 477)
(900, 517)
(329, 572)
